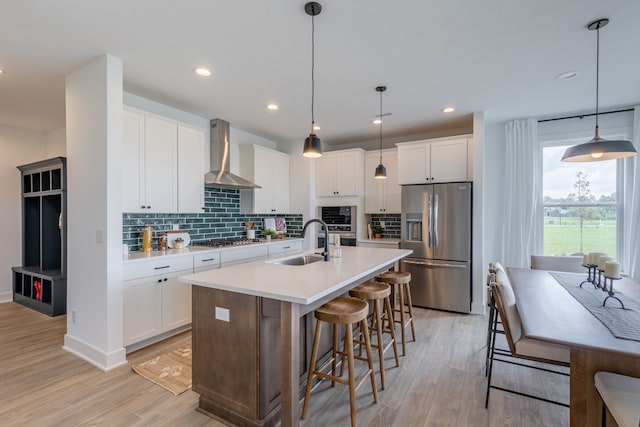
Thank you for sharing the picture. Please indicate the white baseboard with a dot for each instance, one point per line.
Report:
(6, 297)
(101, 360)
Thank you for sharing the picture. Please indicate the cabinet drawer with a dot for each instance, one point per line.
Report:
(244, 254)
(206, 261)
(159, 265)
(277, 249)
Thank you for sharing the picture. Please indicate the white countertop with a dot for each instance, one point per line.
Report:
(194, 249)
(302, 284)
(383, 240)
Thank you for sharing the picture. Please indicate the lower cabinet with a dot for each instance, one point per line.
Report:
(236, 363)
(155, 302)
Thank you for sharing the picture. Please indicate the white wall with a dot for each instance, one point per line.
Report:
(18, 147)
(94, 222)
(57, 143)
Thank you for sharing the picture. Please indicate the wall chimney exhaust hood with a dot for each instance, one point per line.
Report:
(220, 160)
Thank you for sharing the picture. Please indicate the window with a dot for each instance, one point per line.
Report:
(579, 204)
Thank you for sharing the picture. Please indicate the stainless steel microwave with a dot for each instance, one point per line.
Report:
(339, 219)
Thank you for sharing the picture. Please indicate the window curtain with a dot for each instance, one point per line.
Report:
(632, 200)
(522, 194)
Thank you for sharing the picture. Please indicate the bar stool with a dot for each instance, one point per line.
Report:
(379, 293)
(345, 311)
(401, 280)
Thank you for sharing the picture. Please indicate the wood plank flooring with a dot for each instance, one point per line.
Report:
(440, 382)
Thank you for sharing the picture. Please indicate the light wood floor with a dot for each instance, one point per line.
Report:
(440, 382)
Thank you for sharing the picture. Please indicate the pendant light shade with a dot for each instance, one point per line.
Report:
(381, 171)
(312, 144)
(598, 149)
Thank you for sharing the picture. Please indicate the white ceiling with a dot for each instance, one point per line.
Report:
(500, 57)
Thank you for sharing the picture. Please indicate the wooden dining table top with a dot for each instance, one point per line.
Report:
(549, 313)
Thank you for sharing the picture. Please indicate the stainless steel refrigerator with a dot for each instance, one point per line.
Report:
(436, 224)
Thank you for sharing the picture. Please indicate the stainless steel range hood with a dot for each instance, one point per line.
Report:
(220, 159)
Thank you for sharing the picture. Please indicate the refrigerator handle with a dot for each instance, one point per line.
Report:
(430, 219)
(435, 223)
(430, 264)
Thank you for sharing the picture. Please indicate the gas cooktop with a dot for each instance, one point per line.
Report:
(232, 241)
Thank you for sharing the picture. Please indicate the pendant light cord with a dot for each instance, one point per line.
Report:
(380, 127)
(313, 63)
(597, 73)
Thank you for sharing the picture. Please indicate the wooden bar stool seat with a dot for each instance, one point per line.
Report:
(401, 281)
(346, 311)
(379, 293)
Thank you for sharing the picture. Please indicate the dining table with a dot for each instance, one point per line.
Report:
(548, 312)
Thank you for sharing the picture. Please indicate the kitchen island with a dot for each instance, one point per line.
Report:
(234, 331)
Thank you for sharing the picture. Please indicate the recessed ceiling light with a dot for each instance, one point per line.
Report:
(448, 110)
(1, 71)
(376, 121)
(316, 127)
(566, 76)
(272, 107)
(202, 72)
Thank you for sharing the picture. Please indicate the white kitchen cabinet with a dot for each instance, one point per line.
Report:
(381, 195)
(191, 169)
(206, 261)
(339, 173)
(242, 254)
(154, 301)
(432, 161)
(163, 165)
(280, 249)
(270, 170)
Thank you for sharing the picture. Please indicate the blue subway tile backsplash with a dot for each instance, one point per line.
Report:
(392, 226)
(220, 219)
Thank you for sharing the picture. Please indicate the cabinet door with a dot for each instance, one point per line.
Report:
(392, 191)
(190, 170)
(326, 176)
(176, 302)
(279, 183)
(374, 188)
(449, 161)
(348, 173)
(142, 303)
(262, 177)
(413, 164)
(160, 165)
(133, 162)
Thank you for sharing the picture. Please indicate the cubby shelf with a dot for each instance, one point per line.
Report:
(40, 283)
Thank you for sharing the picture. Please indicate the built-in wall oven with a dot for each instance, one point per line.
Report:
(341, 220)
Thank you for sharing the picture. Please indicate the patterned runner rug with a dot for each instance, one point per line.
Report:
(171, 370)
(622, 323)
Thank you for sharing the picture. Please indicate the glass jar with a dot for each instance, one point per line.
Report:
(146, 238)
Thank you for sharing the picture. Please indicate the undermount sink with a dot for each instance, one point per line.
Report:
(299, 260)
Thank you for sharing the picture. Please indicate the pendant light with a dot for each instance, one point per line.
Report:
(312, 144)
(381, 171)
(598, 149)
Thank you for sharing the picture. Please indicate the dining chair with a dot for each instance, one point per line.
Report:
(519, 347)
(620, 396)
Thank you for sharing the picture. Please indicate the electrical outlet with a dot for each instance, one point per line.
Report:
(73, 316)
(222, 314)
(176, 226)
(382, 224)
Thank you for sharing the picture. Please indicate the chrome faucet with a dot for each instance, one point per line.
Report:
(326, 235)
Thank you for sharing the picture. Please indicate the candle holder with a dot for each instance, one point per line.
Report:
(610, 291)
(591, 277)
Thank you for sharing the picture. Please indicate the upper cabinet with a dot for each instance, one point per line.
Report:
(163, 165)
(339, 173)
(270, 170)
(429, 161)
(381, 195)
